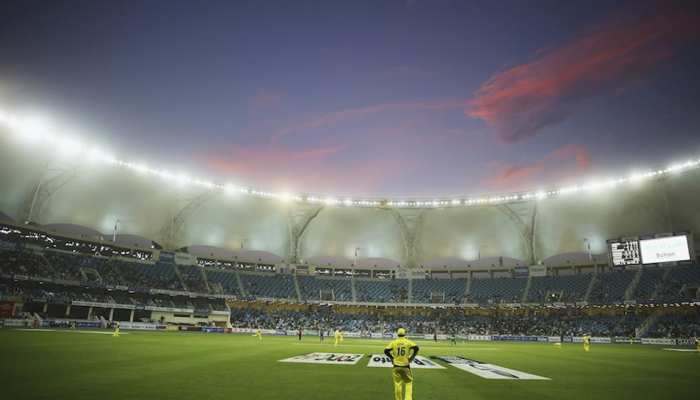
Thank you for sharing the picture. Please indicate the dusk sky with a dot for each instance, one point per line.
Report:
(366, 98)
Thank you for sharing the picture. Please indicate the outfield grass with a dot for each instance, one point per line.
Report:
(169, 365)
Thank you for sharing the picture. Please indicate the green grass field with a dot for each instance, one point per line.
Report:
(170, 365)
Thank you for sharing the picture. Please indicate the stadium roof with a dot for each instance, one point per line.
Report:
(35, 129)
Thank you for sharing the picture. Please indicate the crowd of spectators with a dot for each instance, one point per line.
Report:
(676, 326)
(30, 292)
(17, 262)
(683, 284)
(193, 279)
(556, 322)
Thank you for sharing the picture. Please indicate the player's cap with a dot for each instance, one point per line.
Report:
(401, 332)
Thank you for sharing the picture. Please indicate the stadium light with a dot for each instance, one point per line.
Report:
(97, 154)
(69, 146)
(675, 168)
(286, 197)
(636, 177)
(140, 168)
(183, 180)
(34, 127)
(204, 184)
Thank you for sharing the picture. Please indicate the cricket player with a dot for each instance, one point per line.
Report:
(401, 352)
(338, 337)
(697, 344)
(116, 330)
(586, 343)
(258, 333)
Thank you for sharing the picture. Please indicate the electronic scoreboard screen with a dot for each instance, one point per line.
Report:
(624, 252)
(665, 249)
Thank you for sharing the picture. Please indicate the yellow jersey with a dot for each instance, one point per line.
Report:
(401, 351)
(586, 340)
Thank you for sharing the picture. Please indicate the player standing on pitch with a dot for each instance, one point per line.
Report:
(338, 337)
(586, 343)
(401, 352)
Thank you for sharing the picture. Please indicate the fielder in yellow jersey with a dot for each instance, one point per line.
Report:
(697, 344)
(258, 333)
(586, 343)
(116, 330)
(338, 337)
(401, 352)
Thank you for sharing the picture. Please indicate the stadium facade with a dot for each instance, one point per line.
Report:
(76, 196)
(94, 242)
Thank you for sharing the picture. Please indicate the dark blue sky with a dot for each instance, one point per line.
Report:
(386, 98)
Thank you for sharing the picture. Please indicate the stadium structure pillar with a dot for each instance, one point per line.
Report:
(45, 309)
(67, 310)
(171, 232)
(50, 182)
(111, 314)
(299, 217)
(524, 217)
(131, 316)
(410, 222)
(90, 312)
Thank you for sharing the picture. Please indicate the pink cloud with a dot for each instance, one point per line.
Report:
(336, 117)
(255, 161)
(522, 100)
(313, 169)
(266, 98)
(566, 162)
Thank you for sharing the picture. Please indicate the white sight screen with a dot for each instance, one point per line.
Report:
(665, 249)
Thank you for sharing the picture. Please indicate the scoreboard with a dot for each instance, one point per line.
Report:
(624, 252)
(665, 249)
(652, 250)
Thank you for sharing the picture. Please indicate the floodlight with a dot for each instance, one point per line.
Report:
(285, 197)
(69, 146)
(97, 155)
(141, 168)
(183, 179)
